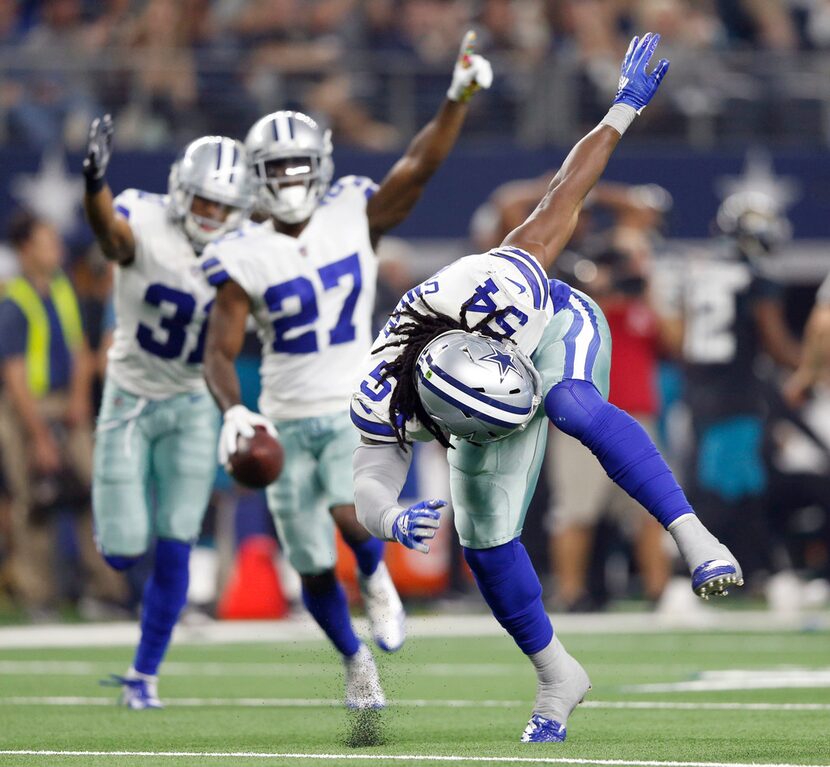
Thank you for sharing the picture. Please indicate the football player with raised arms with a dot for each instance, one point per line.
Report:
(157, 429)
(467, 358)
(308, 277)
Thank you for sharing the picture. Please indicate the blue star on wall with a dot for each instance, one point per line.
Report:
(52, 193)
(503, 359)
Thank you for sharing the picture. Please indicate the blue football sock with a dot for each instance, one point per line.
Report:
(511, 588)
(621, 445)
(368, 554)
(121, 563)
(331, 611)
(165, 595)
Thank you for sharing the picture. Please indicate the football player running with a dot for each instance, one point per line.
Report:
(158, 426)
(467, 359)
(308, 277)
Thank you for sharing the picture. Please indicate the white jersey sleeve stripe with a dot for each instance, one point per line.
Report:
(533, 262)
(536, 267)
(536, 289)
(582, 340)
(381, 432)
(214, 271)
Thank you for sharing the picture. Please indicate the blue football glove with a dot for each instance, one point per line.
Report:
(417, 524)
(637, 87)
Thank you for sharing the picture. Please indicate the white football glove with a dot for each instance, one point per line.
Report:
(240, 422)
(471, 72)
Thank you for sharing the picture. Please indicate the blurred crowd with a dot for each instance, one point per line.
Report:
(372, 69)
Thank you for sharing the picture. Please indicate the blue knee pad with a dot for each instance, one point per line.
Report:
(121, 563)
(165, 594)
(621, 445)
(511, 588)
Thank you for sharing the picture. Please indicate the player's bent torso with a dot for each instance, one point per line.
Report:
(161, 305)
(312, 297)
(504, 279)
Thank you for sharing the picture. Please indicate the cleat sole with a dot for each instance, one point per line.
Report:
(723, 576)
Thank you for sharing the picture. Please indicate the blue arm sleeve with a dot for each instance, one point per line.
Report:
(621, 445)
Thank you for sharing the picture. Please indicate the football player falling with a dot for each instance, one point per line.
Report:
(467, 359)
(308, 277)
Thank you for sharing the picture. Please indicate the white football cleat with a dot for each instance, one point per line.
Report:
(363, 688)
(558, 700)
(713, 567)
(384, 608)
(138, 691)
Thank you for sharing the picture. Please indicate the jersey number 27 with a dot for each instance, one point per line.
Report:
(331, 275)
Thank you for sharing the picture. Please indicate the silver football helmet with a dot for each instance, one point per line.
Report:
(216, 169)
(477, 388)
(291, 158)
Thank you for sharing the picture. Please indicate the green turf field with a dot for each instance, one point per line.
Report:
(465, 698)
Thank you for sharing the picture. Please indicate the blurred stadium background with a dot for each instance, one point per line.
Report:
(745, 108)
(744, 114)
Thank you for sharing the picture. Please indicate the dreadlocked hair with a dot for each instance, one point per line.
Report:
(414, 334)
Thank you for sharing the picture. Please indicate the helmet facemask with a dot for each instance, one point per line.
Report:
(290, 188)
(213, 177)
(291, 158)
(203, 229)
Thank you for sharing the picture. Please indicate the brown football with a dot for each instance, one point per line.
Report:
(258, 460)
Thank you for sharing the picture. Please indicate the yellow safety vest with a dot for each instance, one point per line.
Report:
(20, 291)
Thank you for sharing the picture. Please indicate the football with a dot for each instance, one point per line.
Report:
(258, 460)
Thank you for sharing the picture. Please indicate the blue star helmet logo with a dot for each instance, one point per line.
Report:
(503, 359)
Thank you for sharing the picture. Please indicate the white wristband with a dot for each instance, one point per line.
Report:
(619, 117)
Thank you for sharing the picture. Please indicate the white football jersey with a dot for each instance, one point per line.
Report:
(312, 297)
(161, 304)
(506, 278)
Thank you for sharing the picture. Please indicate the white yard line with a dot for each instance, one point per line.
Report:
(302, 627)
(313, 668)
(743, 679)
(396, 758)
(67, 700)
(257, 670)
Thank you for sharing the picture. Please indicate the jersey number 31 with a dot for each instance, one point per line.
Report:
(175, 325)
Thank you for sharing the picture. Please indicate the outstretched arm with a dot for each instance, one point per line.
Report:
(548, 229)
(403, 185)
(112, 232)
(225, 336)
